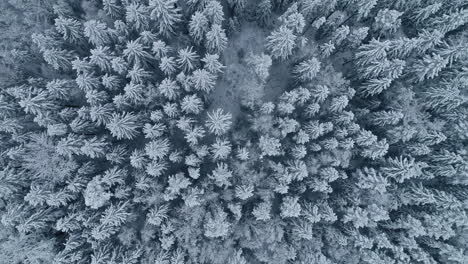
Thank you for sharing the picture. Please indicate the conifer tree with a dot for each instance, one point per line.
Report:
(445, 97)
(101, 57)
(69, 28)
(136, 54)
(364, 7)
(348, 147)
(166, 15)
(202, 80)
(308, 69)
(262, 211)
(281, 43)
(290, 207)
(216, 39)
(263, 12)
(160, 49)
(212, 64)
(198, 26)
(187, 59)
(217, 225)
(168, 65)
(218, 122)
(387, 21)
(58, 58)
(138, 15)
(123, 125)
(112, 8)
(98, 33)
(169, 89)
(214, 12)
(191, 104)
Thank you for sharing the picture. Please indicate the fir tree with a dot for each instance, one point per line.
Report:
(214, 12)
(191, 104)
(216, 39)
(212, 64)
(58, 58)
(166, 15)
(101, 57)
(69, 28)
(112, 8)
(281, 43)
(135, 53)
(160, 49)
(308, 69)
(429, 67)
(218, 122)
(98, 33)
(290, 207)
(123, 125)
(263, 13)
(169, 89)
(168, 65)
(270, 146)
(216, 225)
(157, 149)
(387, 21)
(198, 26)
(187, 59)
(202, 80)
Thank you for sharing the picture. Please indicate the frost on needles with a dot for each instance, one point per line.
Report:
(233, 131)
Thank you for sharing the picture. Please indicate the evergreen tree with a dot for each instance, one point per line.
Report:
(138, 15)
(308, 69)
(160, 49)
(364, 8)
(69, 28)
(112, 8)
(198, 26)
(214, 12)
(348, 149)
(100, 56)
(169, 89)
(429, 67)
(202, 80)
(191, 104)
(375, 86)
(58, 58)
(157, 149)
(387, 21)
(290, 207)
(445, 97)
(281, 43)
(98, 33)
(270, 146)
(166, 15)
(212, 64)
(136, 54)
(218, 122)
(450, 21)
(263, 13)
(216, 225)
(187, 59)
(216, 39)
(123, 125)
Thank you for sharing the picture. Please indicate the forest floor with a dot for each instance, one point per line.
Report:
(239, 82)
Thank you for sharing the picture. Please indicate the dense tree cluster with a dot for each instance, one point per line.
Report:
(114, 149)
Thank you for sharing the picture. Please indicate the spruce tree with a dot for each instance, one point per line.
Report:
(281, 43)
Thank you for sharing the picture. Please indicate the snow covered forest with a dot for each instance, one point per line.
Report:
(233, 131)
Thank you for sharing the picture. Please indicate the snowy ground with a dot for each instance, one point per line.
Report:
(238, 80)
